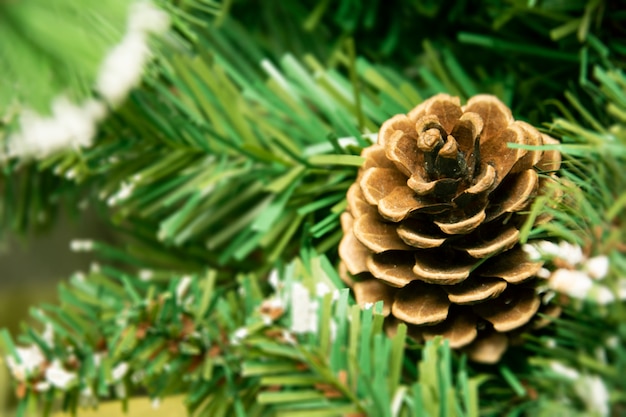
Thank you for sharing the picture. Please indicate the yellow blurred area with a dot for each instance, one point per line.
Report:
(138, 407)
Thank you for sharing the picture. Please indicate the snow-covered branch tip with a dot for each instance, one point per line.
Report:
(72, 125)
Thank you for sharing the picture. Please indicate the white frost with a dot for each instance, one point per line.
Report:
(532, 252)
(568, 252)
(577, 276)
(321, 289)
(59, 377)
(122, 68)
(239, 335)
(594, 393)
(566, 371)
(69, 126)
(146, 274)
(122, 194)
(115, 79)
(544, 273)
(274, 279)
(288, 337)
(78, 245)
(597, 267)
(146, 18)
(30, 359)
(42, 386)
(119, 371)
(573, 283)
(48, 335)
(182, 287)
(303, 310)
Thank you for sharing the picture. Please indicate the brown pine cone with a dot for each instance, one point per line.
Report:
(432, 225)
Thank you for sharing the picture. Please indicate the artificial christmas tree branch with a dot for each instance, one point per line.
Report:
(262, 351)
(229, 167)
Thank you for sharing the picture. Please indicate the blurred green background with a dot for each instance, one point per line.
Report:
(30, 269)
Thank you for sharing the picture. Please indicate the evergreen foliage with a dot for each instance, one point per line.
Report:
(37, 51)
(226, 173)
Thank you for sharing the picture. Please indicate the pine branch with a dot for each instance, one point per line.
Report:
(232, 131)
(275, 148)
(385, 91)
(595, 184)
(114, 333)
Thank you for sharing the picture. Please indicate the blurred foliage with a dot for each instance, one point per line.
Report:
(41, 59)
(235, 355)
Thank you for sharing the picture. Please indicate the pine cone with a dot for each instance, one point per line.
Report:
(432, 225)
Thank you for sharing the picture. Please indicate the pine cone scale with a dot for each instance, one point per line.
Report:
(461, 227)
(532, 138)
(500, 243)
(372, 291)
(436, 268)
(466, 133)
(353, 253)
(489, 348)
(357, 206)
(512, 266)
(483, 183)
(550, 159)
(377, 235)
(377, 183)
(375, 157)
(511, 310)
(474, 291)
(514, 194)
(432, 307)
(392, 268)
(402, 151)
(448, 111)
(459, 329)
(497, 153)
(402, 202)
(422, 235)
(494, 114)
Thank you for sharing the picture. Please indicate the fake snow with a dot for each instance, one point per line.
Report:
(182, 287)
(303, 310)
(30, 359)
(239, 335)
(78, 245)
(59, 377)
(74, 125)
(580, 276)
(119, 371)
